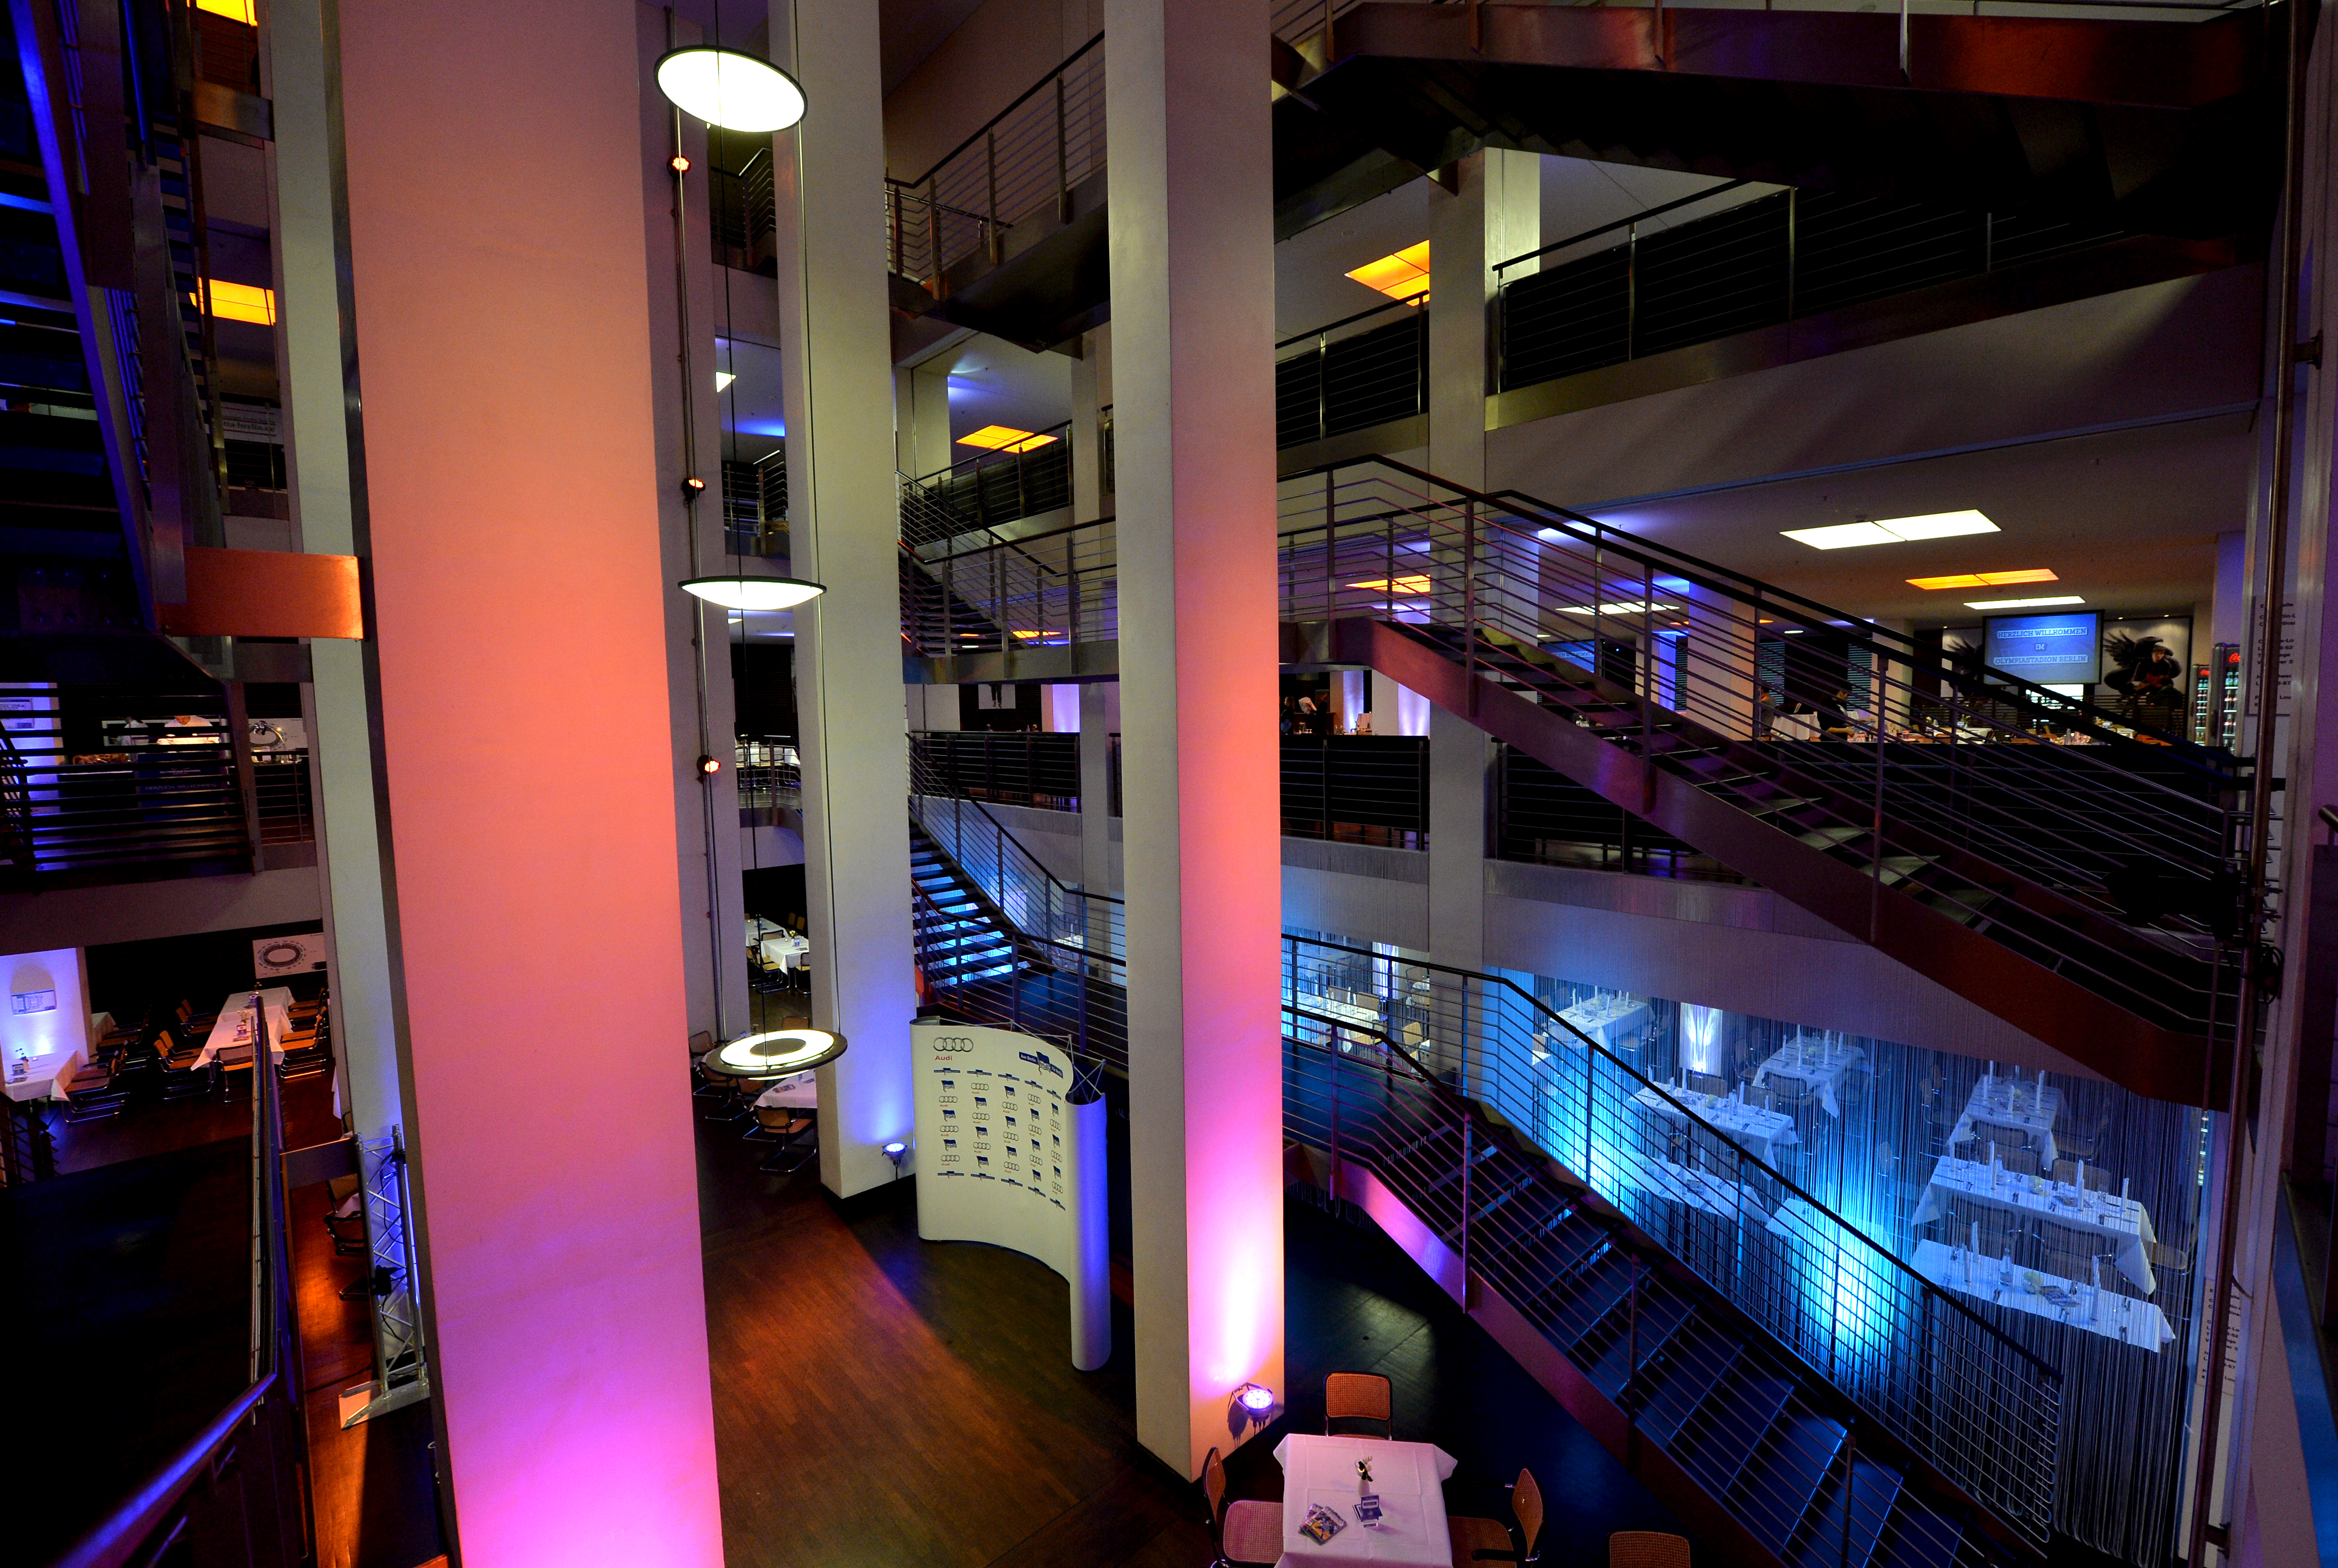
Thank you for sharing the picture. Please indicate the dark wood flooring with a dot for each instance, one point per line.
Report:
(884, 1400)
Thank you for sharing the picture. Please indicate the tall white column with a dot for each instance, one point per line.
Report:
(1495, 213)
(1096, 789)
(829, 173)
(1192, 285)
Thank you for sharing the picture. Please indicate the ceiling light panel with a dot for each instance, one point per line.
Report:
(1005, 438)
(1985, 579)
(1893, 530)
(2041, 603)
(1401, 276)
(1841, 536)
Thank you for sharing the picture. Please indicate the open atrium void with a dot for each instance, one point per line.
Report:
(1168, 783)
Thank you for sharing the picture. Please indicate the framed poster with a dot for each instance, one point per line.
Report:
(288, 955)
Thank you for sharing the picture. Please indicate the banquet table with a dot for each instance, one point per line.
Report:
(45, 1077)
(786, 951)
(1818, 1066)
(234, 1025)
(2078, 1304)
(2028, 1111)
(1410, 1479)
(1611, 1020)
(1697, 1189)
(1760, 1130)
(1365, 1021)
(799, 1091)
(2121, 1222)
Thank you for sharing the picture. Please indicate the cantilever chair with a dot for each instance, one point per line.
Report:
(1646, 1549)
(1358, 1396)
(1490, 1540)
(1243, 1532)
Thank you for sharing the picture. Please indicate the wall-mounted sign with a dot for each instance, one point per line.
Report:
(31, 1002)
(288, 955)
(1004, 1157)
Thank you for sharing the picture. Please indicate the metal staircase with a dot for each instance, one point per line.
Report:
(962, 939)
(2086, 894)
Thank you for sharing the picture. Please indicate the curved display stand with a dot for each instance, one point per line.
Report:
(1006, 1156)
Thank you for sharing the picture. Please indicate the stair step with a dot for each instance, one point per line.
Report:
(1874, 1492)
(1914, 1538)
(1729, 1426)
(1660, 1316)
(1784, 1477)
(1698, 1356)
(1578, 1303)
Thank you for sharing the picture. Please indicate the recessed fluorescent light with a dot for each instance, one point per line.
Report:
(2024, 603)
(1985, 579)
(1400, 586)
(240, 302)
(1621, 607)
(723, 378)
(1003, 438)
(1892, 529)
(1402, 276)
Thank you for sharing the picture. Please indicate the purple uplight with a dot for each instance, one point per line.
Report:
(1256, 1399)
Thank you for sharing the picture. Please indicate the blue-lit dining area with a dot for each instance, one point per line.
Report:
(1990, 1264)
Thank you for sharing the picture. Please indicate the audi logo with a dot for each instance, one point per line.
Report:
(954, 1043)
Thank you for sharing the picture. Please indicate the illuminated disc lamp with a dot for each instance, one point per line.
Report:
(776, 1053)
(726, 88)
(753, 593)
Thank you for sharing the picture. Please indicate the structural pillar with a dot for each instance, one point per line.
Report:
(506, 497)
(1192, 286)
(1096, 788)
(843, 528)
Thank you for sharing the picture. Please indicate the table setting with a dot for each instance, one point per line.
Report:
(1760, 1130)
(2119, 1221)
(2030, 1110)
(1819, 1065)
(41, 1077)
(234, 1025)
(1703, 1189)
(1326, 1496)
(2081, 1306)
(1609, 1017)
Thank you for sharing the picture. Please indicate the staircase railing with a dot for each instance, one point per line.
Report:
(1929, 1371)
(1027, 478)
(985, 594)
(2114, 858)
(1020, 166)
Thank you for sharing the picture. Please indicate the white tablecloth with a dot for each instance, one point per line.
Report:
(1697, 1189)
(234, 1025)
(1759, 1130)
(799, 1090)
(1612, 1019)
(1813, 1063)
(2002, 1103)
(2121, 1223)
(1410, 1479)
(786, 951)
(1366, 1021)
(45, 1077)
(2075, 1302)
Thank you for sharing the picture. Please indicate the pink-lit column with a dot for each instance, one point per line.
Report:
(508, 496)
(844, 531)
(1192, 286)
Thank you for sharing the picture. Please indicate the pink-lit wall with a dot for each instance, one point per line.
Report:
(493, 167)
(1193, 275)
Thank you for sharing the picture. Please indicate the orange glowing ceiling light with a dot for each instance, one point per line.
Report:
(1985, 579)
(243, 11)
(1402, 276)
(240, 302)
(1003, 438)
(1400, 586)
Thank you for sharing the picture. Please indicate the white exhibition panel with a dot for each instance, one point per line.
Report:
(1005, 1159)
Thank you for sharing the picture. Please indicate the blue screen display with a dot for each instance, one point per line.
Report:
(2065, 649)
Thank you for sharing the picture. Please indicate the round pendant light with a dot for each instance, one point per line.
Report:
(724, 87)
(776, 1054)
(753, 593)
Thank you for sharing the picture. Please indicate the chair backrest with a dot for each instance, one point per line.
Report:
(1646, 1549)
(1357, 1397)
(701, 1044)
(1525, 1506)
(1214, 1489)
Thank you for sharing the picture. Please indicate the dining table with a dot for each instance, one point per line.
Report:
(1355, 1021)
(798, 1091)
(1713, 1193)
(1410, 1479)
(2120, 1222)
(786, 950)
(45, 1077)
(2083, 1305)
(2026, 1112)
(1818, 1064)
(1612, 1018)
(1761, 1132)
(234, 1025)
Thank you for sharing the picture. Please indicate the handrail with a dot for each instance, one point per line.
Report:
(1019, 540)
(1656, 212)
(949, 776)
(989, 125)
(112, 1540)
(1413, 303)
(1442, 1088)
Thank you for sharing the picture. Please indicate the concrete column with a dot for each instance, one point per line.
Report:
(1091, 391)
(1496, 213)
(1096, 789)
(703, 713)
(1193, 249)
(508, 479)
(843, 528)
(317, 453)
(921, 429)
(1718, 685)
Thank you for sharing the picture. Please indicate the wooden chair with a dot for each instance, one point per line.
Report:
(782, 1125)
(1245, 1532)
(93, 1095)
(1646, 1549)
(1489, 1541)
(231, 1066)
(1358, 1396)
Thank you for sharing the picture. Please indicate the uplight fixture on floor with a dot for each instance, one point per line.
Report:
(724, 87)
(753, 593)
(1251, 1405)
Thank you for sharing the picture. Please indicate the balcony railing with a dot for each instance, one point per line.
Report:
(990, 489)
(1045, 590)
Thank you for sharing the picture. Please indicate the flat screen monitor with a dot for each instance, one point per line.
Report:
(2064, 649)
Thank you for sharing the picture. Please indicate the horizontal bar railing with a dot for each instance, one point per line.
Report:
(1361, 788)
(1541, 816)
(2117, 854)
(1836, 1297)
(1020, 168)
(981, 593)
(1079, 928)
(1027, 479)
(1352, 379)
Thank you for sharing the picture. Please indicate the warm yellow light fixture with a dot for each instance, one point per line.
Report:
(1985, 579)
(1003, 438)
(1892, 529)
(723, 378)
(1618, 607)
(1403, 276)
(242, 11)
(1399, 586)
(2046, 602)
(240, 302)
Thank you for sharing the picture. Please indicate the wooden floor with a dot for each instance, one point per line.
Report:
(884, 1400)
